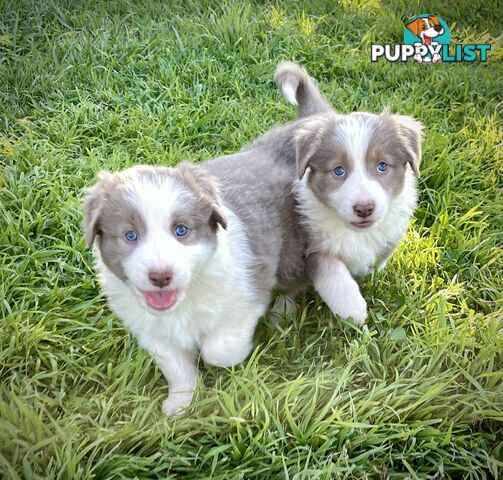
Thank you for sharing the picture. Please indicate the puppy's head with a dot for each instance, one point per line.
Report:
(426, 28)
(155, 228)
(357, 163)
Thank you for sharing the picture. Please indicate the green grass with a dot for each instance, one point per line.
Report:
(416, 393)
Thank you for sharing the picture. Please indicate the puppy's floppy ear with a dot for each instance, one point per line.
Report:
(410, 133)
(93, 203)
(434, 19)
(205, 187)
(308, 138)
(217, 218)
(415, 27)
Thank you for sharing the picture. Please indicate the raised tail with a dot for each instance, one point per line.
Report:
(299, 89)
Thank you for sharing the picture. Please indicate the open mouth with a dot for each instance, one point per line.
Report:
(160, 300)
(363, 224)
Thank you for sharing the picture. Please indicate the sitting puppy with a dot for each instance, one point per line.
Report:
(356, 188)
(188, 256)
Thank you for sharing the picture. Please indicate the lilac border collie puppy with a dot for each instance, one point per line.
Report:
(356, 188)
(188, 257)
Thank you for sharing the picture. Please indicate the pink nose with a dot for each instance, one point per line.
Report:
(364, 210)
(160, 278)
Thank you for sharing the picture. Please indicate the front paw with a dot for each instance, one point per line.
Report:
(176, 403)
(355, 307)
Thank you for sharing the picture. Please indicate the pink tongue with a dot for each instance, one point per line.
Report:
(427, 40)
(160, 300)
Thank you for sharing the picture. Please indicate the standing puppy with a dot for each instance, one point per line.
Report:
(356, 188)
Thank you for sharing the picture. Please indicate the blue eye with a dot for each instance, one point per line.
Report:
(339, 171)
(131, 236)
(181, 230)
(382, 167)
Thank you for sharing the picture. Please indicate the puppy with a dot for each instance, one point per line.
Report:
(356, 188)
(188, 256)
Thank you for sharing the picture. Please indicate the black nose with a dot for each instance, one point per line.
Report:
(438, 28)
(160, 278)
(364, 210)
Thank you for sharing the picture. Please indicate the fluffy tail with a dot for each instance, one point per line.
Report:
(299, 89)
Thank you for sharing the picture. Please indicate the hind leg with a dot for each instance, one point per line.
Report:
(232, 341)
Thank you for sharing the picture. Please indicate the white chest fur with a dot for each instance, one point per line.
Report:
(361, 249)
(221, 292)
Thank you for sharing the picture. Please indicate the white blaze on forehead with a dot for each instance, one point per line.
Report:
(353, 136)
(156, 197)
(355, 132)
